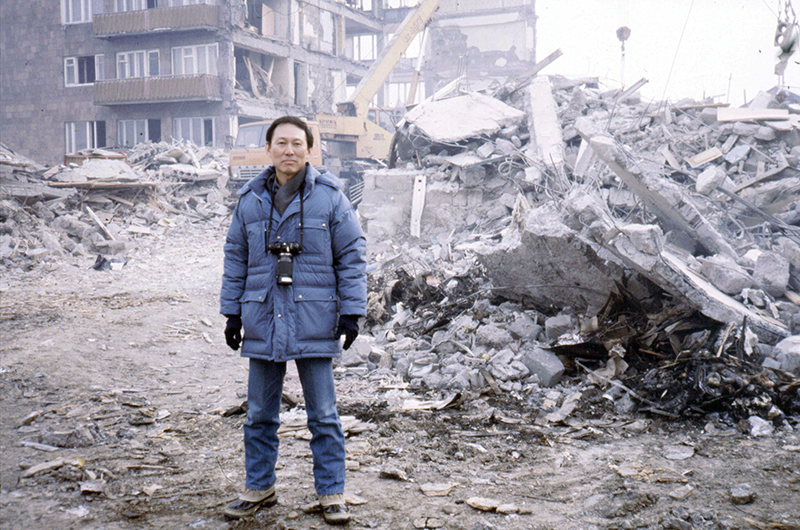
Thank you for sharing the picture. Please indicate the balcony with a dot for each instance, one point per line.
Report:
(184, 18)
(200, 87)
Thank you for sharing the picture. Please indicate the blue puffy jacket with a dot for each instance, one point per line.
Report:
(285, 322)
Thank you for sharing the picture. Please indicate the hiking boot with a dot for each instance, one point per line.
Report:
(250, 501)
(334, 509)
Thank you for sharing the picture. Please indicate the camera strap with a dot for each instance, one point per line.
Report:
(272, 212)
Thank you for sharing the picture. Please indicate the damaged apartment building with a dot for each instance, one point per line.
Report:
(80, 74)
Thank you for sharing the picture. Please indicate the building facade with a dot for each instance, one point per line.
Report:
(76, 74)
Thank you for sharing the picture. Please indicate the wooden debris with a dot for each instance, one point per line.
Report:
(99, 223)
(725, 114)
(705, 157)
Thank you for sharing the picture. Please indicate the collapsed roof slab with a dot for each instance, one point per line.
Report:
(463, 117)
(662, 264)
(545, 261)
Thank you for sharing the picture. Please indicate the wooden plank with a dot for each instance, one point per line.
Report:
(744, 114)
(109, 185)
(418, 204)
(120, 200)
(704, 158)
(100, 223)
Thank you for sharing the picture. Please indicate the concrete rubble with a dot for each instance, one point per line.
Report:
(100, 201)
(581, 235)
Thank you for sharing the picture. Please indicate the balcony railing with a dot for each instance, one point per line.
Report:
(200, 87)
(165, 19)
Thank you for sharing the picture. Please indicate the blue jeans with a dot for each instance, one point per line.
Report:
(264, 391)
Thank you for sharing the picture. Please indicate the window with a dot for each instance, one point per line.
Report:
(133, 5)
(251, 136)
(137, 64)
(85, 134)
(364, 47)
(200, 59)
(132, 132)
(76, 11)
(83, 70)
(198, 130)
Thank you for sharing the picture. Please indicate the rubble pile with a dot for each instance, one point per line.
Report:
(100, 200)
(651, 248)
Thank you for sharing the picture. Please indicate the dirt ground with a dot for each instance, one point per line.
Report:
(130, 367)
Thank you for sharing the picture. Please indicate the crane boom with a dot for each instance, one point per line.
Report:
(412, 24)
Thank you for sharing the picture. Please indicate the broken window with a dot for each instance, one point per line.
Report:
(133, 5)
(132, 132)
(363, 5)
(139, 63)
(197, 130)
(84, 135)
(300, 84)
(76, 11)
(83, 70)
(199, 59)
(364, 47)
(396, 94)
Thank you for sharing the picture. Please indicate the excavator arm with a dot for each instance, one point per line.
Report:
(414, 22)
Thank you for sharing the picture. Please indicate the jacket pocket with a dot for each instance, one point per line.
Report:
(316, 236)
(317, 313)
(257, 314)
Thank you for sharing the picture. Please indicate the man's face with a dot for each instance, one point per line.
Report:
(288, 150)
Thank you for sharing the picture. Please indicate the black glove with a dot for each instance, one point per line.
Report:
(348, 326)
(233, 331)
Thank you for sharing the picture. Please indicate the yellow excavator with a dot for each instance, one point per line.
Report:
(357, 127)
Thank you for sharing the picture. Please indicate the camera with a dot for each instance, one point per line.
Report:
(285, 251)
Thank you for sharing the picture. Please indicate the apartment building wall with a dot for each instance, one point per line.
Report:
(300, 45)
(34, 102)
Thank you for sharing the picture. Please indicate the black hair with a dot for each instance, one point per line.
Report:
(294, 120)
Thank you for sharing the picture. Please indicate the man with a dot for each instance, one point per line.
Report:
(295, 279)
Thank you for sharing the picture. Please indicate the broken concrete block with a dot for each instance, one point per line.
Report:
(765, 134)
(503, 147)
(772, 273)
(546, 262)
(479, 115)
(524, 328)
(545, 365)
(558, 325)
(725, 274)
(645, 238)
(745, 129)
(787, 353)
(737, 154)
(486, 150)
(709, 180)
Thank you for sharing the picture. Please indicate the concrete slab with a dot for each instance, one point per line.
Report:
(463, 117)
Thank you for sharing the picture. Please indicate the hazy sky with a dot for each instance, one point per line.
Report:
(727, 48)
